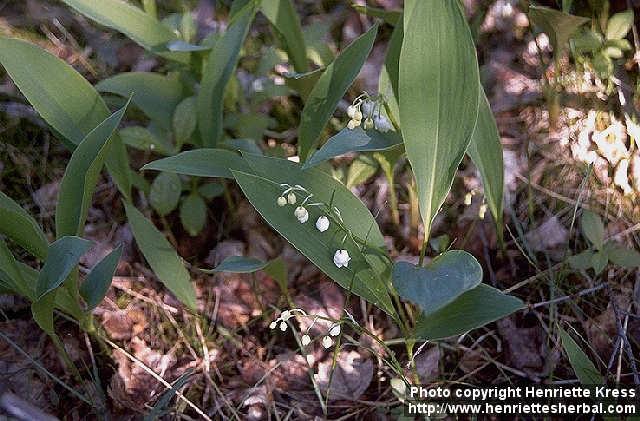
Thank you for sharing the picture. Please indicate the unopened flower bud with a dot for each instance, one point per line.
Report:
(357, 116)
(351, 110)
(306, 340)
(291, 198)
(482, 211)
(368, 124)
(281, 201)
(273, 325)
(335, 330)
(467, 199)
(322, 223)
(285, 315)
(352, 124)
(301, 214)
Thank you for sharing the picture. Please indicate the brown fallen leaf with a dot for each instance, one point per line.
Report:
(350, 379)
(427, 364)
(524, 346)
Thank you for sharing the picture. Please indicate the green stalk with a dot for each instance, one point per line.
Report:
(150, 8)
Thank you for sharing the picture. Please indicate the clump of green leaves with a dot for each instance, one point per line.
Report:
(601, 252)
(430, 109)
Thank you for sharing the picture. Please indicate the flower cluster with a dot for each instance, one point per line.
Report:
(327, 340)
(369, 109)
(288, 197)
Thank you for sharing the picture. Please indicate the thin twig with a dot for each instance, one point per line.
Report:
(569, 297)
(623, 335)
(156, 376)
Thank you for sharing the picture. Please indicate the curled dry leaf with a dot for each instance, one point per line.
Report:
(124, 324)
(550, 234)
(351, 377)
(132, 386)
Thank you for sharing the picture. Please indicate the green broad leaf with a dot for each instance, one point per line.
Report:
(97, 282)
(155, 94)
(193, 214)
(389, 74)
(356, 140)
(286, 22)
(621, 44)
(390, 17)
(586, 41)
(161, 408)
(602, 64)
(42, 312)
(243, 145)
(368, 271)
(592, 228)
(184, 120)
(473, 309)
(62, 298)
(20, 227)
(239, 264)
(619, 24)
(439, 90)
(165, 193)
(143, 139)
(10, 274)
(81, 175)
(316, 36)
(440, 282)
(211, 190)
(64, 255)
(133, 22)
(185, 47)
(586, 372)
(277, 269)
(559, 26)
(218, 69)
(599, 261)
(201, 163)
(581, 261)
(361, 169)
(485, 151)
(303, 83)
(161, 256)
(329, 90)
(63, 98)
(623, 257)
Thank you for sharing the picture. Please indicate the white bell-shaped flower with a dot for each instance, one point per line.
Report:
(368, 124)
(306, 340)
(291, 198)
(273, 325)
(286, 315)
(327, 342)
(281, 201)
(301, 214)
(341, 258)
(335, 330)
(382, 123)
(367, 107)
(322, 223)
(283, 326)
